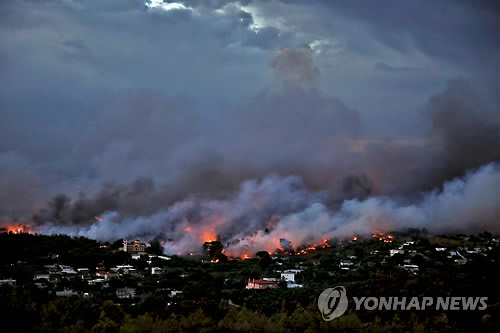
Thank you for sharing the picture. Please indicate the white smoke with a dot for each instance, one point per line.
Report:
(264, 212)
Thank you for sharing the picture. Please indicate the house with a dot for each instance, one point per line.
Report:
(126, 269)
(66, 292)
(108, 276)
(95, 282)
(345, 264)
(67, 269)
(411, 268)
(261, 284)
(9, 282)
(174, 293)
(51, 268)
(134, 248)
(125, 293)
(40, 285)
(289, 275)
(393, 252)
(156, 270)
(45, 276)
(100, 274)
(294, 285)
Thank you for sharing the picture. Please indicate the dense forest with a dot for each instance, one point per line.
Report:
(213, 295)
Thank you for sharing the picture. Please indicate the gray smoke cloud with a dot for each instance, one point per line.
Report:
(280, 212)
(289, 165)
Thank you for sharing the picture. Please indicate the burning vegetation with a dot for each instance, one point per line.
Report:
(17, 229)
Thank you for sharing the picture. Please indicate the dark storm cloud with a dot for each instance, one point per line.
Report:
(463, 31)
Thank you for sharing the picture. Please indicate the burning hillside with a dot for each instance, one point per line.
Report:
(280, 215)
(17, 228)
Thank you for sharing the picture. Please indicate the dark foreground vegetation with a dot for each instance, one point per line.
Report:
(196, 295)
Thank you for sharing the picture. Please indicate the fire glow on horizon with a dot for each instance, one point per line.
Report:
(18, 229)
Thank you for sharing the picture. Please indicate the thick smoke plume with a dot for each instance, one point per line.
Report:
(287, 164)
(281, 213)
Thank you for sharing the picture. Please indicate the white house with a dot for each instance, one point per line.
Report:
(345, 264)
(393, 252)
(66, 292)
(288, 276)
(411, 268)
(9, 282)
(45, 276)
(156, 270)
(294, 285)
(174, 293)
(67, 269)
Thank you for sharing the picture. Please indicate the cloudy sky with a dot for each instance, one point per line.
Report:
(199, 95)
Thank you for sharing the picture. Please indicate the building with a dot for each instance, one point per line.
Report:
(9, 282)
(66, 293)
(394, 252)
(174, 293)
(45, 276)
(108, 276)
(294, 285)
(134, 248)
(125, 293)
(67, 269)
(288, 276)
(156, 270)
(346, 264)
(261, 284)
(411, 268)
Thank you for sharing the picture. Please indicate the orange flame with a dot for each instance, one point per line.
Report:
(18, 229)
(208, 236)
(188, 229)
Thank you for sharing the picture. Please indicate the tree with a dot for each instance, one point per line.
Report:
(214, 250)
(155, 248)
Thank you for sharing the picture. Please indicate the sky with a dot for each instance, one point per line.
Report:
(193, 97)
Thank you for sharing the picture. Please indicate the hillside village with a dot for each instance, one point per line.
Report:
(138, 277)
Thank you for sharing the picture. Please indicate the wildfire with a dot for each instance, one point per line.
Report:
(271, 224)
(214, 261)
(383, 237)
(18, 229)
(311, 248)
(97, 218)
(188, 229)
(355, 238)
(208, 236)
(246, 256)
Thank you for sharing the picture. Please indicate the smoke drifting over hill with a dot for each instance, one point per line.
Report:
(294, 165)
(290, 155)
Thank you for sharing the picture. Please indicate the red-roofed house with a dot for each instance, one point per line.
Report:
(261, 284)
